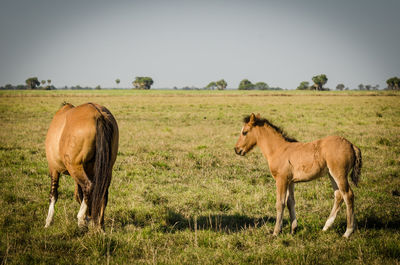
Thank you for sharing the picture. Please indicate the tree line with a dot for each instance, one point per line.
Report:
(31, 83)
(320, 80)
(145, 82)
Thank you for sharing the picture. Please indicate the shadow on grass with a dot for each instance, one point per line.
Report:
(218, 223)
(373, 222)
(171, 221)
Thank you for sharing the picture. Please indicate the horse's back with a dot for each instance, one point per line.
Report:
(71, 136)
(53, 137)
(77, 143)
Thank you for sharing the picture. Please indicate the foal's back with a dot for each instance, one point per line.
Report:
(314, 159)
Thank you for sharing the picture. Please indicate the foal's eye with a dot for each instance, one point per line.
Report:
(244, 133)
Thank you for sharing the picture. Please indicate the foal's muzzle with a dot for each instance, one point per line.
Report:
(240, 152)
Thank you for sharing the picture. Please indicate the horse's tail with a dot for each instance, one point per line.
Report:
(102, 164)
(356, 172)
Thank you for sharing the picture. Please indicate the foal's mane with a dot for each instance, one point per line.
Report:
(263, 121)
(64, 103)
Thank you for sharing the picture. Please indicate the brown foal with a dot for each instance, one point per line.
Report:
(83, 142)
(291, 162)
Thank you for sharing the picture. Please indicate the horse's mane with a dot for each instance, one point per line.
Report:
(263, 121)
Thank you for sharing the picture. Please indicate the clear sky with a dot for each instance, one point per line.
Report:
(190, 43)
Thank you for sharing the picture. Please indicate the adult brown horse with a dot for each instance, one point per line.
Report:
(291, 162)
(83, 142)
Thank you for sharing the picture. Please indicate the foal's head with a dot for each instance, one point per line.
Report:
(247, 139)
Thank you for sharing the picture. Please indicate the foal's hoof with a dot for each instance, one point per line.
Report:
(348, 233)
(83, 223)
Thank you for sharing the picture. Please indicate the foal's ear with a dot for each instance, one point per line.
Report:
(258, 116)
(252, 119)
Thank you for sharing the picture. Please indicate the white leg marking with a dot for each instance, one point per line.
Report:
(328, 223)
(348, 232)
(82, 214)
(50, 214)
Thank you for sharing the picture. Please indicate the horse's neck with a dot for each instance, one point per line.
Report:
(269, 141)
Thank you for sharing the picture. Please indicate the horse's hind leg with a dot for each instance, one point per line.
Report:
(78, 194)
(336, 205)
(102, 210)
(291, 204)
(81, 179)
(55, 176)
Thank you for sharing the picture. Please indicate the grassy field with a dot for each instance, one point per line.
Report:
(180, 195)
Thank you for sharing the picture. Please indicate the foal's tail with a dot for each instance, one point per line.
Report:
(102, 164)
(355, 174)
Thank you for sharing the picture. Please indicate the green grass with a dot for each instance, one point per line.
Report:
(180, 195)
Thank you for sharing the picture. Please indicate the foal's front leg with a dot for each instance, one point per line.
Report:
(281, 188)
(290, 204)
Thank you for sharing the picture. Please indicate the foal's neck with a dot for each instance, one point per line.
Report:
(269, 140)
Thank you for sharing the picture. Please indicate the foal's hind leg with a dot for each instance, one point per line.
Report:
(348, 196)
(55, 176)
(336, 205)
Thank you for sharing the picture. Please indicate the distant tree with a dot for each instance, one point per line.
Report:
(261, 86)
(142, 82)
(221, 84)
(32, 83)
(361, 87)
(98, 87)
(43, 82)
(9, 86)
(319, 81)
(211, 85)
(376, 87)
(340, 87)
(368, 87)
(303, 86)
(117, 81)
(48, 81)
(393, 83)
(245, 84)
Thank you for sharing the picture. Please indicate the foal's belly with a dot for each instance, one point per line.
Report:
(308, 175)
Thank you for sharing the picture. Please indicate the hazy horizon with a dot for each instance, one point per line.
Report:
(191, 43)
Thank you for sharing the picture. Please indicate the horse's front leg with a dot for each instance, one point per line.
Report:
(281, 188)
